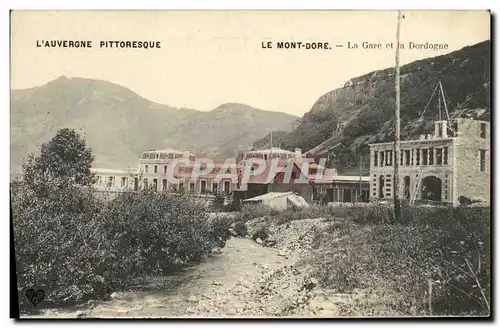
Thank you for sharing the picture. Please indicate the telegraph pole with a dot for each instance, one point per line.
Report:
(397, 205)
(360, 179)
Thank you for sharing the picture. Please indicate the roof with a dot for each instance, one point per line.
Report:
(268, 196)
(168, 150)
(268, 150)
(432, 139)
(342, 178)
(111, 171)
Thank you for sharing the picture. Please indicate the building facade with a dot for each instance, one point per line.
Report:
(452, 162)
(153, 172)
(342, 189)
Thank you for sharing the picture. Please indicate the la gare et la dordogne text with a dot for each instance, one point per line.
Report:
(102, 44)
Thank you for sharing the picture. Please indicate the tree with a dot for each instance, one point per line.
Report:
(63, 159)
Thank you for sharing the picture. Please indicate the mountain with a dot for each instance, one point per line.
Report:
(344, 121)
(119, 124)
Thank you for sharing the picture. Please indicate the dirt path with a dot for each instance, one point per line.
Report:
(223, 285)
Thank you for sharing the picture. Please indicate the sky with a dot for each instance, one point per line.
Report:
(214, 57)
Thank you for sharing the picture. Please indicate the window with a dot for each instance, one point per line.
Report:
(181, 186)
(431, 156)
(439, 156)
(156, 169)
(110, 182)
(407, 157)
(381, 158)
(483, 130)
(401, 157)
(146, 168)
(164, 169)
(417, 157)
(388, 157)
(482, 160)
(440, 130)
(215, 186)
(425, 156)
(155, 184)
(165, 184)
(412, 155)
(445, 155)
(145, 184)
(124, 181)
(191, 186)
(375, 158)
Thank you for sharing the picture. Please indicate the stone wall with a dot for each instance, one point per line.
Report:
(470, 181)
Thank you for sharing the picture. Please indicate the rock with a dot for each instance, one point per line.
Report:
(282, 253)
(270, 243)
(192, 299)
(80, 314)
(258, 241)
(117, 295)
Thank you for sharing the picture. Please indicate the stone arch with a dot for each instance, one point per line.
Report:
(431, 188)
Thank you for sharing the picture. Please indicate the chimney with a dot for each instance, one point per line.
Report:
(444, 129)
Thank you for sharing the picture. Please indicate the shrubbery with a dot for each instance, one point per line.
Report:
(362, 248)
(450, 247)
(75, 246)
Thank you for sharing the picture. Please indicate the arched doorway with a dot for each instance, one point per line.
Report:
(407, 187)
(381, 185)
(431, 188)
(227, 187)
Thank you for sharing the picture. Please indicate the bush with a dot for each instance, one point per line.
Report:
(74, 256)
(240, 228)
(262, 234)
(218, 202)
(58, 242)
